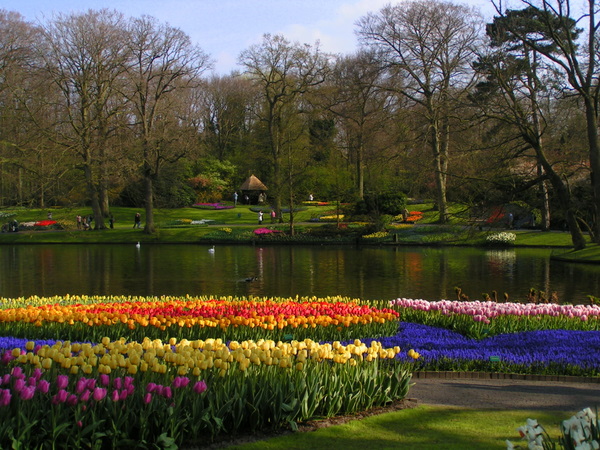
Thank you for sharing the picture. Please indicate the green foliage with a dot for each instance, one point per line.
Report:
(213, 180)
(171, 189)
(378, 204)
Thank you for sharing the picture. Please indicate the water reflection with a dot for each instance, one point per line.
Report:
(367, 272)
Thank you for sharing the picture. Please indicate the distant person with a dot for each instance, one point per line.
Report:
(235, 198)
(273, 216)
(260, 217)
(404, 215)
(79, 220)
(510, 220)
(111, 221)
(247, 199)
(310, 197)
(137, 220)
(50, 215)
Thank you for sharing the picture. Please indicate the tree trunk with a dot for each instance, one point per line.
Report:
(149, 204)
(545, 199)
(148, 189)
(93, 195)
(594, 151)
(440, 165)
(565, 199)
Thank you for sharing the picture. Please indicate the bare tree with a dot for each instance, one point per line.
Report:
(430, 45)
(163, 64)
(361, 102)
(563, 24)
(284, 72)
(83, 56)
(517, 92)
(225, 103)
(16, 136)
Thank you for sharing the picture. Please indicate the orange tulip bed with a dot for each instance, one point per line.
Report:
(157, 372)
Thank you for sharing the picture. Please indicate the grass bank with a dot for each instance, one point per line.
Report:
(237, 225)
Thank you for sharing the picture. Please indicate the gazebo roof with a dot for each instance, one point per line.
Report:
(253, 184)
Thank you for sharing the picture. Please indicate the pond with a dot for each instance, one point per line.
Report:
(360, 272)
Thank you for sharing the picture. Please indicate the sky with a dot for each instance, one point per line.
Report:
(224, 28)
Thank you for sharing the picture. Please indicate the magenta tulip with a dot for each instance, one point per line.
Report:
(27, 393)
(62, 381)
(99, 393)
(200, 387)
(43, 386)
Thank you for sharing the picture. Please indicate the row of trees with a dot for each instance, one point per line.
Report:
(97, 108)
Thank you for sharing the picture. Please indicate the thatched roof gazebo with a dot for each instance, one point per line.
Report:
(254, 189)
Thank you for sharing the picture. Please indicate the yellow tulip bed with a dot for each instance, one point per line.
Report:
(143, 372)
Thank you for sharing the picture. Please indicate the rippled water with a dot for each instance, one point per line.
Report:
(364, 272)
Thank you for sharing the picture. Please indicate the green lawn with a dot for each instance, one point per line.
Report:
(425, 427)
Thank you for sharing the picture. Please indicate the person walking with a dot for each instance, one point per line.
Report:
(137, 220)
(273, 216)
(235, 197)
(260, 217)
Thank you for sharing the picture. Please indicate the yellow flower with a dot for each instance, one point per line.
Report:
(413, 354)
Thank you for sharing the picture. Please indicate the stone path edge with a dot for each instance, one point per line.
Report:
(502, 376)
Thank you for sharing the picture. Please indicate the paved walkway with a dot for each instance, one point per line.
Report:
(566, 396)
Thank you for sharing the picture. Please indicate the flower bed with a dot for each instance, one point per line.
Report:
(263, 231)
(191, 368)
(196, 318)
(542, 352)
(40, 225)
(480, 319)
(159, 391)
(502, 238)
(212, 206)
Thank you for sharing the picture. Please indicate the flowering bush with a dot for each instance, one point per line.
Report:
(502, 238)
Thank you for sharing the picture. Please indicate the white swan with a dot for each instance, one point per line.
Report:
(211, 250)
(137, 245)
